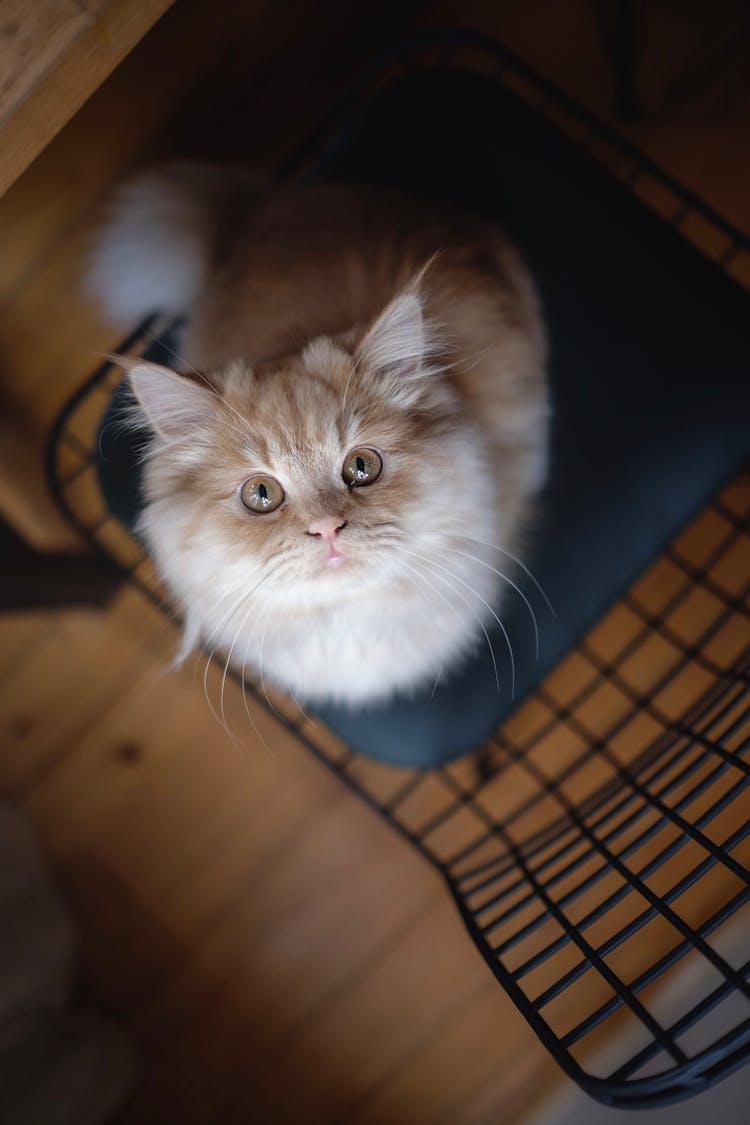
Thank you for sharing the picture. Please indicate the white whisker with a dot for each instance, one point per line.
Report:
(469, 606)
(517, 561)
(204, 646)
(222, 624)
(300, 708)
(248, 712)
(225, 618)
(416, 586)
(227, 662)
(510, 582)
(210, 651)
(275, 710)
(484, 602)
(437, 681)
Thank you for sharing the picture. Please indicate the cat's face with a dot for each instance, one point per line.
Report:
(322, 476)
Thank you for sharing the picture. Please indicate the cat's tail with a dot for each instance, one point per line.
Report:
(163, 233)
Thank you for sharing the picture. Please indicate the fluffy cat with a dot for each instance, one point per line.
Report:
(358, 431)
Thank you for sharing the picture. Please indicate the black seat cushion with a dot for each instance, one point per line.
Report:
(648, 368)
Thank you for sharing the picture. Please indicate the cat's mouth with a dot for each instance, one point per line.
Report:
(333, 557)
(333, 560)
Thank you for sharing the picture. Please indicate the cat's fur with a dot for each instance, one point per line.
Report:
(320, 319)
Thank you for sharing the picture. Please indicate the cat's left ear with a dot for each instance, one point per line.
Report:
(175, 405)
(397, 347)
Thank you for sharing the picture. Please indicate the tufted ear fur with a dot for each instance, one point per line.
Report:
(398, 346)
(174, 404)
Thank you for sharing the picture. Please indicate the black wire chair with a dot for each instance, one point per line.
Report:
(597, 846)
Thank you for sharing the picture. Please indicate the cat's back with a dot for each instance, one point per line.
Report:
(319, 260)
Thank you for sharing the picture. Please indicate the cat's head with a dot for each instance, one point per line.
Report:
(322, 475)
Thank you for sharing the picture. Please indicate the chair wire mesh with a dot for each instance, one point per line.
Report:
(597, 846)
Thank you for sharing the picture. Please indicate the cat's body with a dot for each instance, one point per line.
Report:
(332, 323)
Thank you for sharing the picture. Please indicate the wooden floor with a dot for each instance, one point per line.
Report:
(277, 954)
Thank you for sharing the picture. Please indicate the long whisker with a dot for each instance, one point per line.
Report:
(243, 683)
(275, 710)
(416, 586)
(227, 662)
(222, 624)
(437, 681)
(517, 561)
(300, 708)
(510, 582)
(236, 637)
(204, 649)
(484, 601)
(421, 574)
(210, 652)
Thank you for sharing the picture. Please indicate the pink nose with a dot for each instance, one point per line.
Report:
(327, 528)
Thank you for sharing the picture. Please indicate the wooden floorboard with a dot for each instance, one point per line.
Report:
(277, 953)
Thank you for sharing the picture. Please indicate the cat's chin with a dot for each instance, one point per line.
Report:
(333, 582)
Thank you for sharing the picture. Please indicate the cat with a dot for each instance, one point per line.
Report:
(346, 460)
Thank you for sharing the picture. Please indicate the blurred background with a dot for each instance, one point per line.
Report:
(205, 932)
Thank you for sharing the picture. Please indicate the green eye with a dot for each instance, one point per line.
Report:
(261, 494)
(362, 466)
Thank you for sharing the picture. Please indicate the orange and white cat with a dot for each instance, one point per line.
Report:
(339, 473)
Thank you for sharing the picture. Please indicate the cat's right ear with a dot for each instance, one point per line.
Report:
(174, 404)
(397, 347)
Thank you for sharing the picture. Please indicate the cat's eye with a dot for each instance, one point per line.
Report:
(362, 466)
(261, 494)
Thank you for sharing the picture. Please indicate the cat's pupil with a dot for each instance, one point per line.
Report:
(361, 466)
(262, 492)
